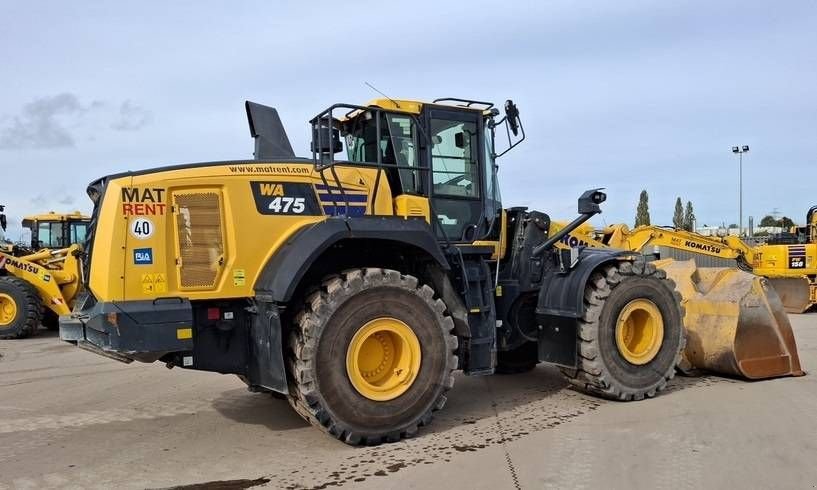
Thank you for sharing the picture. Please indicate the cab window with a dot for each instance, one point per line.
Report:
(78, 232)
(48, 235)
(397, 146)
(455, 158)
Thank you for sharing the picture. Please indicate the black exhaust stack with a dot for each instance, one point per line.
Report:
(271, 142)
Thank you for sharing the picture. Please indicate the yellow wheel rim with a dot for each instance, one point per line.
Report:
(383, 359)
(8, 310)
(639, 331)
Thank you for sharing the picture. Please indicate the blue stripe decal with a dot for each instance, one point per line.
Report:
(341, 210)
(341, 199)
(797, 254)
(321, 187)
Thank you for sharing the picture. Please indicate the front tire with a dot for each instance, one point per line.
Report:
(372, 356)
(20, 308)
(631, 336)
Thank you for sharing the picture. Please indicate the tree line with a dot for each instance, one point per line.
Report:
(682, 219)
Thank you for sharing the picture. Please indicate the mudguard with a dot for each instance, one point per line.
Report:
(561, 304)
(283, 272)
(562, 293)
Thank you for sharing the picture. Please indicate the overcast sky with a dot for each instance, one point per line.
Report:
(624, 95)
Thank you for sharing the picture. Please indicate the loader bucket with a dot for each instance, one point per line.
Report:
(735, 322)
(793, 292)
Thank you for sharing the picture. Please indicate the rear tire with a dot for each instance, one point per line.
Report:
(20, 308)
(325, 390)
(605, 365)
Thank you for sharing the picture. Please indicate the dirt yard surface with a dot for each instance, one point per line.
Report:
(71, 419)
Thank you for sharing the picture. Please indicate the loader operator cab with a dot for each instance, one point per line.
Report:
(56, 230)
(444, 152)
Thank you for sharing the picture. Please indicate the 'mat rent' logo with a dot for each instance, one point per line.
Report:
(143, 202)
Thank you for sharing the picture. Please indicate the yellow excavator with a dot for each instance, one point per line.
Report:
(788, 261)
(735, 320)
(40, 280)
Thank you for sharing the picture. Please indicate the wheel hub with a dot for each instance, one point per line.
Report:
(383, 359)
(8, 310)
(639, 331)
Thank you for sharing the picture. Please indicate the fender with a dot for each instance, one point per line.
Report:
(562, 294)
(284, 270)
(561, 304)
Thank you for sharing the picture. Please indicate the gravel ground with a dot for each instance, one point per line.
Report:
(71, 419)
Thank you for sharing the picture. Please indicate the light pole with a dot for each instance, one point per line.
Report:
(740, 150)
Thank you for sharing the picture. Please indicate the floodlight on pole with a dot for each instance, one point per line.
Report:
(739, 151)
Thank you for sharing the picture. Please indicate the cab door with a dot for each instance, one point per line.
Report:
(455, 153)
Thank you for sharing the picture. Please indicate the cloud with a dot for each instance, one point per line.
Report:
(52, 122)
(131, 117)
(42, 123)
(67, 200)
(39, 201)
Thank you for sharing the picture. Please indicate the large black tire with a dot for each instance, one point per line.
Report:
(602, 369)
(26, 305)
(519, 360)
(320, 388)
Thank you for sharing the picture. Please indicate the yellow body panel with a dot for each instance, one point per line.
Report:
(499, 245)
(409, 206)
(151, 263)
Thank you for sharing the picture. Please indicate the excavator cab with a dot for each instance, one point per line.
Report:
(56, 230)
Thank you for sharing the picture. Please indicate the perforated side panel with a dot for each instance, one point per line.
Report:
(198, 223)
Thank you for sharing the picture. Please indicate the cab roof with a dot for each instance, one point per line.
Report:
(415, 106)
(54, 216)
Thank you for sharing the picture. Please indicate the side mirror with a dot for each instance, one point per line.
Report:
(459, 140)
(512, 116)
(513, 127)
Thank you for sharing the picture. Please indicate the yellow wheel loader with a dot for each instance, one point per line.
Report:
(735, 321)
(37, 287)
(357, 287)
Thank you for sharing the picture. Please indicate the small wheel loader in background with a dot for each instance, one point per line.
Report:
(357, 287)
(39, 281)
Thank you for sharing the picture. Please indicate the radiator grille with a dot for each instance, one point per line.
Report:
(201, 248)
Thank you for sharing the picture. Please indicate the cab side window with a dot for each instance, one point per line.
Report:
(78, 232)
(455, 158)
(45, 237)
